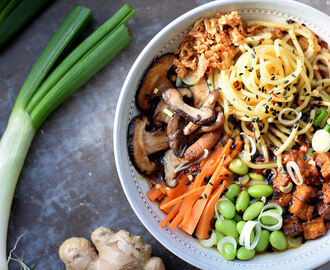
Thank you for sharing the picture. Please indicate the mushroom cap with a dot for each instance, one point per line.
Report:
(174, 99)
(155, 77)
(142, 143)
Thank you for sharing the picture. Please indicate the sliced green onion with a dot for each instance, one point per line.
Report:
(207, 243)
(321, 141)
(321, 115)
(327, 128)
(277, 216)
(294, 242)
(245, 236)
(287, 188)
(309, 154)
(224, 240)
(18, 17)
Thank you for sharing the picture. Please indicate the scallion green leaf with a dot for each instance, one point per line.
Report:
(18, 17)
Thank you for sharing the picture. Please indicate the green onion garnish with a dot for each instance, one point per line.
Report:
(321, 115)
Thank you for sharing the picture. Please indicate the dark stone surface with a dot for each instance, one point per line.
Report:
(69, 184)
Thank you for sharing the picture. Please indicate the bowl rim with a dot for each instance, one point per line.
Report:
(125, 89)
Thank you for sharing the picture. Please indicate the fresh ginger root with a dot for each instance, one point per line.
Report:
(116, 251)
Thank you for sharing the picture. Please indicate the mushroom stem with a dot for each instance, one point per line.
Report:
(209, 102)
(155, 141)
(206, 141)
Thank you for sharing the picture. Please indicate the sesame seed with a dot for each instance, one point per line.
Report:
(246, 116)
(273, 78)
(241, 74)
(293, 75)
(249, 108)
(286, 81)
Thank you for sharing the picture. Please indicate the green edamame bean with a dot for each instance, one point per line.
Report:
(268, 220)
(253, 211)
(228, 251)
(227, 227)
(237, 217)
(263, 241)
(232, 191)
(278, 240)
(226, 208)
(258, 191)
(245, 254)
(240, 226)
(238, 166)
(243, 201)
(256, 177)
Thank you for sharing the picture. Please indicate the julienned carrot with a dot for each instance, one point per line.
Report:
(183, 196)
(228, 153)
(204, 224)
(172, 214)
(154, 193)
(187, 204)
(209, 166)
(197, 210)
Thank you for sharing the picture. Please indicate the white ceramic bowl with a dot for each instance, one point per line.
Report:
(307, 256)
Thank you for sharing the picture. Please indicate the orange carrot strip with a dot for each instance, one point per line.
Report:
(172, 214)
(183, 196)
(165, 201)
(204, 224)
(154, 193)
(210, 165)
(190, 221)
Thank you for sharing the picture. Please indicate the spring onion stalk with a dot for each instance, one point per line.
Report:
(46, 87)
(3, 4)
(8, 9)
(20, 15)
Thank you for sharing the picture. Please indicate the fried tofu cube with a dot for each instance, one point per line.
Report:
(280, 198)
(296, 206)
(323, 161)
(314, 228)
(304, 192)
(326, 192)
(307, 212)
(292, 226)
(281, 180)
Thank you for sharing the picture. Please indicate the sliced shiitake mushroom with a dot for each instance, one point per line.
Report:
(142, 143)
(162, 111)
(209, 102)
(206, 141)
(170, 162)
(155, 78)
(217, 124)
(176, 139)
(174, 99)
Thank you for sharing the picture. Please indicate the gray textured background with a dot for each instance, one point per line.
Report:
(69, 184)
